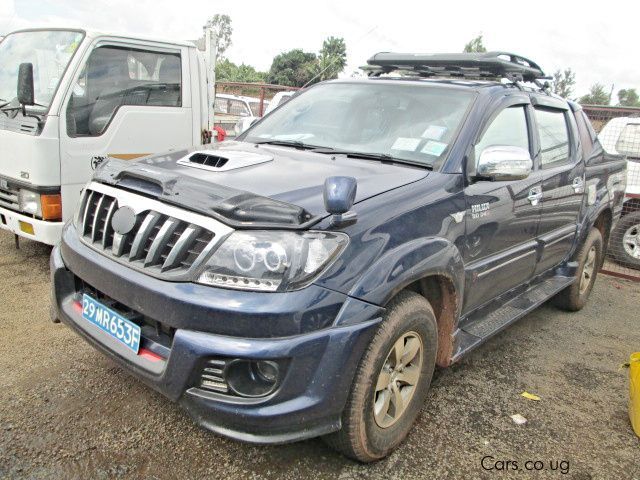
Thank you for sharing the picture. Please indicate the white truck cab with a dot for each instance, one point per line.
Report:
(96, 95)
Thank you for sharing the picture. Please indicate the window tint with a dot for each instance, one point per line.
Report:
(585, 135)
(554, 137)
(508, 128)
(114, 77)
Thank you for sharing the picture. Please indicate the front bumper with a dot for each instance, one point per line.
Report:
(45, 232)
(322, 334)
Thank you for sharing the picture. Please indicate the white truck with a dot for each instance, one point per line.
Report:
(621, 136)
(71, 98)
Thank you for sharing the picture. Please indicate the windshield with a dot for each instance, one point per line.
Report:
(50, 51)
(415, 123)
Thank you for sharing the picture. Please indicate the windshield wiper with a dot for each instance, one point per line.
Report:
(289, 143)
(383, 157)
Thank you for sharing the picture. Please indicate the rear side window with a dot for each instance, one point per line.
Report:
(115, 77)
(509, 128)
(554, 137)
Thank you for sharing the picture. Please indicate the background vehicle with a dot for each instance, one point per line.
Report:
(278, 99)
(621, 136)
(305, 279)
(230, 110)
(94, 96)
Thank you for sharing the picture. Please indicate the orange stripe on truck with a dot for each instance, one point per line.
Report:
(128, 156)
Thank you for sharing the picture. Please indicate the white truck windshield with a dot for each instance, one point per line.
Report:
(50, 51)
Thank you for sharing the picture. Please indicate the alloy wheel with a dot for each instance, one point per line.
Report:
(398, 379)
(588, 270)
(631, 241)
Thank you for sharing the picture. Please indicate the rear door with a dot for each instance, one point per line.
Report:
(502, 216)
(563, 179)
(128, 100)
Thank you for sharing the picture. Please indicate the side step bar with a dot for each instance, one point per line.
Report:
(483, 324)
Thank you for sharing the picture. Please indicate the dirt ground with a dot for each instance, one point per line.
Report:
(68, 412)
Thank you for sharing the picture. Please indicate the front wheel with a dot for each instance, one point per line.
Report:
(391, 383)
(625, 241)
(589, 257)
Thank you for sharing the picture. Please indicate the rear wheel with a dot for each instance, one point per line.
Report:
(625, 241)
(589, 257)
(391, 383)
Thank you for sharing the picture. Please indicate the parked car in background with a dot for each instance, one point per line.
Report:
(278, 99)
(229, 110)
(621, 136)
(306, 279)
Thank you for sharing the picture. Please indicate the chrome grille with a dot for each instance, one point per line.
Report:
(212, 377)
(8, 196)
(161, 242)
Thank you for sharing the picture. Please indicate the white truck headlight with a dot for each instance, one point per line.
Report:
(29, 202)
(270, 261)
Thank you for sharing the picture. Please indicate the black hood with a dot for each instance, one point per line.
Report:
(251, 185)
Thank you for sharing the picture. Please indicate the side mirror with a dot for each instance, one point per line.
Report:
(502, 162)
(339, 196)
(26, 95)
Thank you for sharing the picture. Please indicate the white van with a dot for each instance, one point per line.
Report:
(94, 96)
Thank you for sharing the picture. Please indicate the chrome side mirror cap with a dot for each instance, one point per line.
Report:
(502, 163)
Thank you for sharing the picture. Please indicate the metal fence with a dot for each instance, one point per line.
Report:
(237, 102)
(618, 130)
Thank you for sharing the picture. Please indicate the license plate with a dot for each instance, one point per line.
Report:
(111, 322)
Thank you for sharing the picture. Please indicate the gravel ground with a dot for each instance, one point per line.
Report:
(68, 412)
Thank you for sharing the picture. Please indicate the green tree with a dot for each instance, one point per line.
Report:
(563, 82)
(597, 96)
(227, 71)
(475, 46)
(294, 68)
(221, 25)
(628, 97)
(332, 58)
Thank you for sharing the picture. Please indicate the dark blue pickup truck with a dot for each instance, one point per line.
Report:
(306, 279)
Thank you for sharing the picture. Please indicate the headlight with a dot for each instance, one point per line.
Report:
(29, 202)
(271, 261)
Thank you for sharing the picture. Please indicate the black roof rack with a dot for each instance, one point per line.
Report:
(464, 65)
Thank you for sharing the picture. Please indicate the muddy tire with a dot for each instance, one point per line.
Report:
(625, 241)
(391, 382)
(589, 257)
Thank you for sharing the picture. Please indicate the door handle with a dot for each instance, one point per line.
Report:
(535, 195)
(578, 185)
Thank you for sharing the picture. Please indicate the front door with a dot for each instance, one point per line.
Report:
(126, 102)
(501, 217)
(563, 182)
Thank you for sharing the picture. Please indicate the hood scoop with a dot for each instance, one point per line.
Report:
(223, 160)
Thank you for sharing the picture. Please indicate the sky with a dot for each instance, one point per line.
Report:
(600, 44)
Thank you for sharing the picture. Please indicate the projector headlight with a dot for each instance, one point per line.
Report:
(29, 202)
(271, 261)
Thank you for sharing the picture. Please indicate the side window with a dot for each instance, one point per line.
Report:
(554, 137)
(114, 77)
(509, 128)
(585, 136)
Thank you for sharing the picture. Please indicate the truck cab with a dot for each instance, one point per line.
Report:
(96, 95)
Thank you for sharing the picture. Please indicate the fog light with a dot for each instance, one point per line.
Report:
(26, 227)
(249, 378)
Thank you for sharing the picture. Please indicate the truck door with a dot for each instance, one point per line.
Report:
(127, 101)
(502, 216)
(563, 181)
